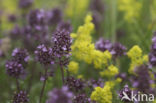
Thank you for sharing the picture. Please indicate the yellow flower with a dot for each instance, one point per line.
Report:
(137, 57)
(135, 52)
(110, 72)
(80, 77)
(102, 95)
(84, 50)
(131, 9)
(73, 67)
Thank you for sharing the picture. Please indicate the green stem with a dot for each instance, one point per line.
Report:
(113, 17)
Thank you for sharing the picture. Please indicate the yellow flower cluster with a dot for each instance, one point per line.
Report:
(73, 67)
(110, 72)
(76, 7)
(83, 48)
(113, 83)
(137, 57)
(131, 9)
(102, 95)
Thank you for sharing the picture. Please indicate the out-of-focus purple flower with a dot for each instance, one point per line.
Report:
(123, 76)
(44, 55)
(75, 84)
(60, 96)
(152, 54)
(32, 37)
(12, 18)
(55, 16)
(21, 97)
(118, 50)
(15, 33)
(95, 83)
(14, 69)
(152, 60)
(97, 19)
(1, 54)
(103, 45)
(20, 55)
(61, 43)
(127, 91)
(65, 25)
(37, 19)
(24, 4)
(142, 81)
(97, 5)
(82, 98)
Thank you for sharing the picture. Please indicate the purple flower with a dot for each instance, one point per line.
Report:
(118, 50)
(24, 4)
(37, 19)
(12, 18)
(142, 80)
(21, 97)
(75, 84)
(14, 69)
(103, 45)
(60, 96)
(97, 19)
(16, 32)
(82, 98)
(95, 83)
(44, 55)
(65, 25)
(1, 54)
(54, 16)
(61, 43)
(152, 54)
(20, 55)
(127, 91)
(123, 76)
(152, 60)
(97, 5)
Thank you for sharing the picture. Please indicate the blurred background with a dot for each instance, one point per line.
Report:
(130, 22)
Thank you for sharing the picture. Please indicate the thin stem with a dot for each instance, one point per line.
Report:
(113, 19)
(62, 73)
(30, 81)
(17, 84)
(44, 84)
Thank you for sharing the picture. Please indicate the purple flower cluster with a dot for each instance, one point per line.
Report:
(118, 50)
(103, 45)
(82, 98)
(24, 4)
(75, 84)
(37, 19)
(14, 68)
(127, 91)
(54, 16)
(152, 54)
(44, 55)
(61, 43)
(92, 83)
(16, 32)
(115, 49)
(142, 81)
(20, 55)
(64, 25)
(60, 96)
(21, 97)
